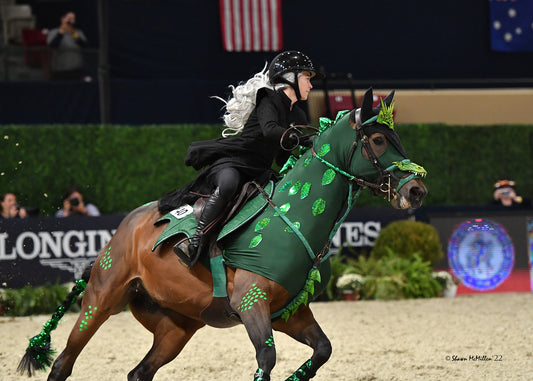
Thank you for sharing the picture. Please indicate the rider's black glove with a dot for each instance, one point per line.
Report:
(297, 138)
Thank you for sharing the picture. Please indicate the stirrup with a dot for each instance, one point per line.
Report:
(181, 249)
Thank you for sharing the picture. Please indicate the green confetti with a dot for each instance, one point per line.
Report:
(307, 161)
(319, 206)
(328, 177)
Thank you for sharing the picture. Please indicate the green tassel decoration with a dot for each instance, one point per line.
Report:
(310, 287)
(39, 354)
(303, 297)
(315, 275)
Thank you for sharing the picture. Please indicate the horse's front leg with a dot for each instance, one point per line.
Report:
(303, 327)
(251, 299)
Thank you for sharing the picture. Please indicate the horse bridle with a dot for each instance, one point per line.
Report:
(383, 181)
(382, 184)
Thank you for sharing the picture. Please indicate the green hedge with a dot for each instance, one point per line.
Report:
(121, 167)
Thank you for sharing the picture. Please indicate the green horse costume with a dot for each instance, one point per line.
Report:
(274, 257)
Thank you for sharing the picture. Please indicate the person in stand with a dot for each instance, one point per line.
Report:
(10, 207)
(67, 61)
(260, 113)
(73, 204)
(505, 195)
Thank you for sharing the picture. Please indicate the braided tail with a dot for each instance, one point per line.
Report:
(39, 354)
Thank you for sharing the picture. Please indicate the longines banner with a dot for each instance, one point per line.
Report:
(40, 250)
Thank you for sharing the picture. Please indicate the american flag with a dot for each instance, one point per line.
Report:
(511, 25)
(251, 25)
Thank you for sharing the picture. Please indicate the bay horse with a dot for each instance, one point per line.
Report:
(289, 235)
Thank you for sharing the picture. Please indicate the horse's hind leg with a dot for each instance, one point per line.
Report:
(171, 332)
(304, 328)
(100, 300)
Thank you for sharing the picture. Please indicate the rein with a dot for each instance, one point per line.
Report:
(382, 185)
(296, 135)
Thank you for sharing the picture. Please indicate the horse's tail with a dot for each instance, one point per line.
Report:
(39, 353)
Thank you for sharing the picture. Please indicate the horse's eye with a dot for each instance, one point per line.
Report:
(378, 140)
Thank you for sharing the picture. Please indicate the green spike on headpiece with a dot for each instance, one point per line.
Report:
(385, 115)
(408, 166)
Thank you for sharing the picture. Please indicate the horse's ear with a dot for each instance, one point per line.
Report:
(366, 105)
(387, 101)
(388, 98)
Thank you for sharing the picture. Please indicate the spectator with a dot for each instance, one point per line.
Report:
(73, 204)
(505, 195)
(10, 207)
(67, 61)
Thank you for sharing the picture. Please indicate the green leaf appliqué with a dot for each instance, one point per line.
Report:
(319, 206)
(328, 177)
(306, 188)
(295, 188)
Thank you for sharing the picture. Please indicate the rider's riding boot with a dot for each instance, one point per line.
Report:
(214, 206)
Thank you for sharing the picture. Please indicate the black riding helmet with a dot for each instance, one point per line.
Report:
(291, 61)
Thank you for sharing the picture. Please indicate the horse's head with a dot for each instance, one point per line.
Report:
(371, 152)
(379, 158)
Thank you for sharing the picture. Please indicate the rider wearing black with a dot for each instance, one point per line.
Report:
(232, 161)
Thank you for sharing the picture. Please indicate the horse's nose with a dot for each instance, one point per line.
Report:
(417, 193)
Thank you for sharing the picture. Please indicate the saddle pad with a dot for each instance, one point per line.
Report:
(182, 221)
(248, 212)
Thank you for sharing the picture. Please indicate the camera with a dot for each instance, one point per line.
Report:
(74, 201)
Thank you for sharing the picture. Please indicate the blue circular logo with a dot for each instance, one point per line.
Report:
(481, 254)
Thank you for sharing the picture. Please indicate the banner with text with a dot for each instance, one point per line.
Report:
(41, 250)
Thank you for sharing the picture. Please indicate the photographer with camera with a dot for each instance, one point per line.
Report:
(67, 61)
(73, 204)
(505, 195)
(10, 207)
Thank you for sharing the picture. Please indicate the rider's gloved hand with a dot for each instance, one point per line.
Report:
(306, 140)
(297, 138)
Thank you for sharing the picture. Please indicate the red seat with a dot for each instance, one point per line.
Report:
(35, 57)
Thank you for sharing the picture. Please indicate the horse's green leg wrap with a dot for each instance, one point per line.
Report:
(260, 375)
(303, 373)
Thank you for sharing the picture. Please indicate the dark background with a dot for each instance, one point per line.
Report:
(167, 58)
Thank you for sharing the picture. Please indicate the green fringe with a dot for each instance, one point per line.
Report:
(302, 299)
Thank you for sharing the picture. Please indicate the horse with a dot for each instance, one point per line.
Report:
(290, 232)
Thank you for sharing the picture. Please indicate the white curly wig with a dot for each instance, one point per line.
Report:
(240, 106)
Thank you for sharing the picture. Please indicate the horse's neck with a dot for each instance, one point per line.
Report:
(314, 193)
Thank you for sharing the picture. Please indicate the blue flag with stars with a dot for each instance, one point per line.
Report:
(511, 25)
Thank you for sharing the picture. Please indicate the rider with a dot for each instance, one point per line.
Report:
(261, 110)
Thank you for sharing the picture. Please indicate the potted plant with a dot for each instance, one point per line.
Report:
(350, 286)
(448, 283)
